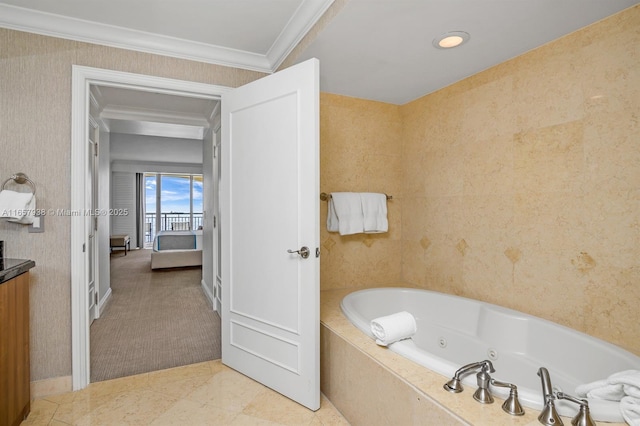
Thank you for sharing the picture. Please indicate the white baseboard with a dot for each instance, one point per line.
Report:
(103, 302)
(207, 293)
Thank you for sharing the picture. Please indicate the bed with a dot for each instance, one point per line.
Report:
(175, 249)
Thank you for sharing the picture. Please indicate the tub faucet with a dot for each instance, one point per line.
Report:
(511, 405)
(583, 418)
(549, 415)
(483, 394)
(454, 385)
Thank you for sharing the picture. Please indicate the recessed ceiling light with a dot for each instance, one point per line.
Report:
(450, 39)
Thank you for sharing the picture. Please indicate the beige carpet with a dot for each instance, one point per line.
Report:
(154, 320)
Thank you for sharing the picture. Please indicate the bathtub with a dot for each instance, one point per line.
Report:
(454, 331)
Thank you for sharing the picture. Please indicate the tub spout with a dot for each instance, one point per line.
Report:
(455, 386)
(549, 415)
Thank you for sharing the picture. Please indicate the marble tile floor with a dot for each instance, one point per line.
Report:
(207, 393)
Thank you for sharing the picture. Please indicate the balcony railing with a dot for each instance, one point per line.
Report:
(170, 221)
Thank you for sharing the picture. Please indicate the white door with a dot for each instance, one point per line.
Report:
(270, 207)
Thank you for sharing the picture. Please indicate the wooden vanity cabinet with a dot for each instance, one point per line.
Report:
(15, 392)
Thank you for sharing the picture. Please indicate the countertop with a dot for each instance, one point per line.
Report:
(11, 268)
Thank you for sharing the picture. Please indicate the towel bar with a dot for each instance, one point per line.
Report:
(324, 196)
(20, 178)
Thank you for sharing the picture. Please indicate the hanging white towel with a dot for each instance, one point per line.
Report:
(374, 210)
(394, 327)
(17, 207)
(332, 217)
(348, 210)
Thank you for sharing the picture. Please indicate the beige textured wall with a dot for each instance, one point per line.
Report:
(521, 184)
(359, 152)
(35, 135)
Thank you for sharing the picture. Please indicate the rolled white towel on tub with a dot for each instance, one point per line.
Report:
(394, 327)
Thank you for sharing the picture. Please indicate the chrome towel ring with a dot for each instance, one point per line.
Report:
(21, 179)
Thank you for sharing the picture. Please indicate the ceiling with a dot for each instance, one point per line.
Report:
(382, 49)
(372, 49)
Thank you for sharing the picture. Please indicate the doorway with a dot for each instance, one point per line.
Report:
(83, 78)
(145, 312)
(285, 104)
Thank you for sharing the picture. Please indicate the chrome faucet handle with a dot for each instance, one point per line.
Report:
(483, 393)
(583, 418)
(486, 364)
(454, 385)
(511, 405)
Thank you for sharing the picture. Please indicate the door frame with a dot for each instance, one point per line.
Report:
(82, 78)
(94, 169)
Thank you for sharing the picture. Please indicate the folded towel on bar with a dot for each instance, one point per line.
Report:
(394, 327)
(374, 210)
(353, 212)
(623, 386)
(17, 207)
(348, 211)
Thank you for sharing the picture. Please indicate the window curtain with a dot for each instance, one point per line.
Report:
(140, 212)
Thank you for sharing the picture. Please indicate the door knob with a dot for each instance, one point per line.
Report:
(303, 252)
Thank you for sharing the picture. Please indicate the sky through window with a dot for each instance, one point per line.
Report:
(175, 194)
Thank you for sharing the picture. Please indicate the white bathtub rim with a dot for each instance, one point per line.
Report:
(607, 411)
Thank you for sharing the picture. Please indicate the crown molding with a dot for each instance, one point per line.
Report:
(44, 23)
(305, 17)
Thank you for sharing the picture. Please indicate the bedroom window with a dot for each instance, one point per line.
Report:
(172, 202)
